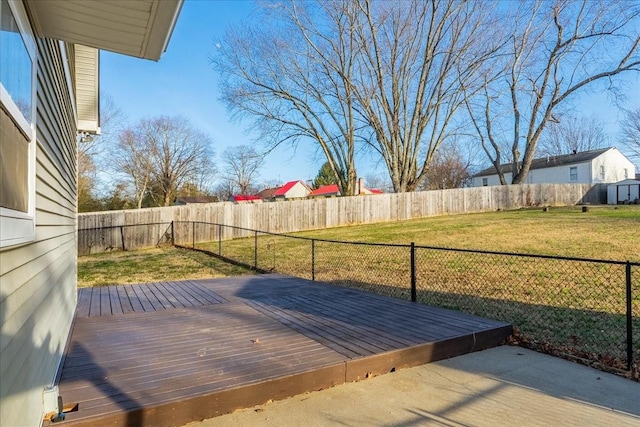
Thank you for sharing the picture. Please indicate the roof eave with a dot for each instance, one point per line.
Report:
(139, 28)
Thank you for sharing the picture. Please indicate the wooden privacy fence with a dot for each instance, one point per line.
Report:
(142, 228)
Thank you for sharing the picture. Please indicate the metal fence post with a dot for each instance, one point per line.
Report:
(122, 237)
(193, 234)
(414, 297)
(219, 239)
(629, 318)
(313, 260)
(255, 250)
(173, 234)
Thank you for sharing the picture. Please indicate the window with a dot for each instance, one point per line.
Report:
(485, 182)
(17, 125)
(602, 172)
(626, 173)
(573, 174)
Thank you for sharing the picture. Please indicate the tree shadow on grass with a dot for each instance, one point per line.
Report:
(224, 266)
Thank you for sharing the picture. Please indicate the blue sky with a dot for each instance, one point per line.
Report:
(183, 82)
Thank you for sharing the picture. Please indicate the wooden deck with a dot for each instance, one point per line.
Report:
(169, 353)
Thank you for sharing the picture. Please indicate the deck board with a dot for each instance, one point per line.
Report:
(114, 299)
(185, 294)
(125, 301)
(173, 352)
(105, 301)
(84, 302)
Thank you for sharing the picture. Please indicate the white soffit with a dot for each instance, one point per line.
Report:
(87, 62)
(139, 28)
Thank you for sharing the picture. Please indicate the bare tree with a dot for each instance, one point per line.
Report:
(343, 71)
(133, 159)
(631, 133)
(91, 153)
(224, 190)
(449, 169)
(160, 155)
(416, 59)
(240, 169)
(291, 73)
(555, 50)
(379, 181)
(570, 134)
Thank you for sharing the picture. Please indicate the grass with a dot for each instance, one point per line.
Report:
(151, 265)
(603, 232)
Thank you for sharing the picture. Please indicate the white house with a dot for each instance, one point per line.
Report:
(292, 190)
(607, 165)
(49, 62)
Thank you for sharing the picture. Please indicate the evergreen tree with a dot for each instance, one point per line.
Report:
(325, 176)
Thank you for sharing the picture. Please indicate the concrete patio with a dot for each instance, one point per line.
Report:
(502, 386)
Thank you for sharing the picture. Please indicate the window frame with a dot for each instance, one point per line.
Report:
(18, 227)
(485, 182)
(573, 177)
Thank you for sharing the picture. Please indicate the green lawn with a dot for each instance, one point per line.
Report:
(603, 232)
(151, 265)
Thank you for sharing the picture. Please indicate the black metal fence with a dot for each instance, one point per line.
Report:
(580, 308)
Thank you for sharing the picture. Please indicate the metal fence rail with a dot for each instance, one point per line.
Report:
(582, 308)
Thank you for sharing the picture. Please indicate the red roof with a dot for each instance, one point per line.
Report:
(285, 188)
(245, 198)
(375, 191)
(326, 190)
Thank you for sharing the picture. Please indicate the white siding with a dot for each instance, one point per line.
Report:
(38, 292)
(614, 163)
(612, 160)
(561, 174)
(86, 71)
(492, 180)
(298, 190)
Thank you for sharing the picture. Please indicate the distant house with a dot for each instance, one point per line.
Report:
(607, 165)
(361, 189)
(331, 190)
(243, 198)
(49, 92)
(268, 194)
(292, 190)
(189, 200)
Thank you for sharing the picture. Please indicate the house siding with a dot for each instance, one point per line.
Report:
(298, 190)
(614, 163)
(38, 293)
(589, 172)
